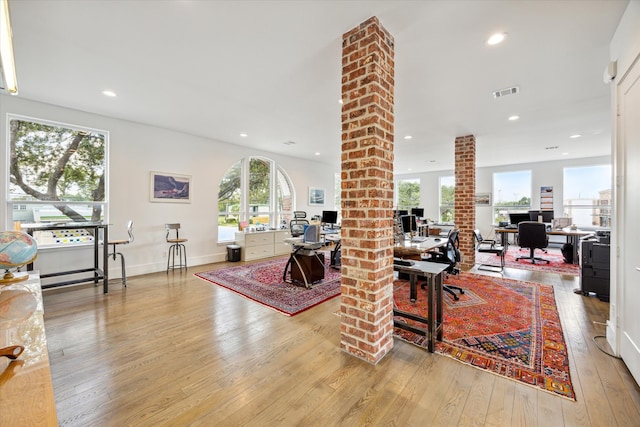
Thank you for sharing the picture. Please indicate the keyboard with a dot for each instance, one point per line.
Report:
(418, 239)
(404, 262)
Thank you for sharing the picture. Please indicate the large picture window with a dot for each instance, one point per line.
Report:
(447, 198)
(57, 173)
(587, 195)
(407, 193)
(254, 191)
(511, 193)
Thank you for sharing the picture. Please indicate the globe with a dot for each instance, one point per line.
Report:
(16, 249)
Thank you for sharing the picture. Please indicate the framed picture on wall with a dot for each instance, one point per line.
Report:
(170, 187)
(483, 199)
(316, 196)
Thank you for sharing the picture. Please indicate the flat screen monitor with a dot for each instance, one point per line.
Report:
(547, 216)
(517, 218)
(330, 217)
(400, 212)
(419, 212)
(533, 215)
(408, 223)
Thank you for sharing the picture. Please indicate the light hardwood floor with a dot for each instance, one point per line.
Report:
(175, 350)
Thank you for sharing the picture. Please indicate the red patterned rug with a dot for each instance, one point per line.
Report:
(557, 264)
(504, 326)
(262, 282)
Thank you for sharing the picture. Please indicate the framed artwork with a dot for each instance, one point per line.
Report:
(316, 196)
(170, 187)
(483, 199)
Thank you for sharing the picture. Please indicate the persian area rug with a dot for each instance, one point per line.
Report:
(262, 282)
(556, 264)
(507, 327)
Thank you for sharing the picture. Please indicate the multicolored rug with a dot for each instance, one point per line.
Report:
(504, 326)
(262, 282)
(557, 264)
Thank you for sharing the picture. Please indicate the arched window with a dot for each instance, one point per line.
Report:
(254, 191)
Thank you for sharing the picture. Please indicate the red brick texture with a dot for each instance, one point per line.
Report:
(464, 199)
(366, 329)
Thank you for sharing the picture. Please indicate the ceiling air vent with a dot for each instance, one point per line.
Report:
(504, 92)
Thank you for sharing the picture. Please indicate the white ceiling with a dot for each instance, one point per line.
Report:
(272, 69)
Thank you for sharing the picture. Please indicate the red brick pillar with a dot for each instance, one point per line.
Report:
(464, 199)
(366, 329)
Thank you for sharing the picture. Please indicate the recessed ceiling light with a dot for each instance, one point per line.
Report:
(576, 135)
(512, 118)
(496, 38)
(409, 169)
(317, 154)
(565, 154)
(340, 101)
(243, 135)
(109, 93)
(408, 137)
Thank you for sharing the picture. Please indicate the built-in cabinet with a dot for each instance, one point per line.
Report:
(263, 244)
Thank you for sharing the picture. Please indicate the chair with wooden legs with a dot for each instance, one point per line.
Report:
(177, 248)
(114, 252)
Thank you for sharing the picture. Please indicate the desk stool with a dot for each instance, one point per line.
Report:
(113, 254)
(177, 247)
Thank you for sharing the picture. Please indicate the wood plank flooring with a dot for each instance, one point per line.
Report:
(173, 350)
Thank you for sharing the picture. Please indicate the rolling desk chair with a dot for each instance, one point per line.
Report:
(113, 254)
(451, 256)
(177, 247)
(532, 235)
(296, 225)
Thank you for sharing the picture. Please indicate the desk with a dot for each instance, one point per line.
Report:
(409, 250)
(433, 272)
(307, 270)
(26, 390)
(336, 256)
(573, 237)
(93, 227)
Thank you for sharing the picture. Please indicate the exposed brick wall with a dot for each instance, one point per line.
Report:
(366, 329)
(465, 208)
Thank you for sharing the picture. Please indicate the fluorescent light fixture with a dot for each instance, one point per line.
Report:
(496, 38)
(513, 118)
(6, 50)
(109, 93)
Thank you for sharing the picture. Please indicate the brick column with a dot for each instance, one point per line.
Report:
(464, 199)
(366, 329)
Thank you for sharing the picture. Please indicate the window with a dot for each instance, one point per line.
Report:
(511, 193)
(447, 198)
(408, 193)
(587, 195)
(57, 173)
(256, 191)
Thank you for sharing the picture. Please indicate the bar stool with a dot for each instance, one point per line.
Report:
(177, 247)
(113, 254)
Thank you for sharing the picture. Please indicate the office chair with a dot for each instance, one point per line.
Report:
(177, 247)
(489, 246)
(450, 255)
(532, 235)
(296, 225)
(113, 254)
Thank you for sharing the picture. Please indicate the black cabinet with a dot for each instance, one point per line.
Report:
(595, 267)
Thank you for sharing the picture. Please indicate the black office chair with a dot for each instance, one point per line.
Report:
(492, 247)
(532, 235)
(296, 225)
(450, 255)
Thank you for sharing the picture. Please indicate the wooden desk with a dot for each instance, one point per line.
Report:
(305, 265)
(26, 391)
(433, 272)
(408, 250)
(98, 273)
(573, 237)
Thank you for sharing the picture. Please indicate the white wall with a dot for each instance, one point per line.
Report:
(542, 174)
(134, 151)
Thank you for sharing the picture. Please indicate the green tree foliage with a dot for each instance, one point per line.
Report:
(408, 194)
(57, 164)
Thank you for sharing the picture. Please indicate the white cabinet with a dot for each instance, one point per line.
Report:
(263, 244)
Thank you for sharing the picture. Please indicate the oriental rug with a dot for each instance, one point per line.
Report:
(504, 326)
(262, 282)
(556, 264)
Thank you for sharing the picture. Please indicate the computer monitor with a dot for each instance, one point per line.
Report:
(409, 224)
(400, 212)
(330, 217)
(419, 212)
(533, 215)
(547, 216)
(516, 218)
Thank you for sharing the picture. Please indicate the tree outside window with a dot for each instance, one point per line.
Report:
(408, 193)
(57, 173)
(447, 198)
